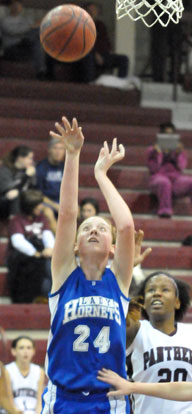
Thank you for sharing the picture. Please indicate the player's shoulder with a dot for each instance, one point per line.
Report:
(145, 324)
(11, 366)
(183, 328)
(145, 330)
(35, 368)
(70, 283)
(5, 170)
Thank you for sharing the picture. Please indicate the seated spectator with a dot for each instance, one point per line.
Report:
(101, 57)
(20, 38)
(88, 207)
(17, 174)
(166, 177)
(166, 51)
(25, 379)
(30, 249)
(49, 174)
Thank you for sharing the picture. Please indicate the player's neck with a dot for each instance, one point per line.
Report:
(93, 270)
(165, 326)
(24, 367)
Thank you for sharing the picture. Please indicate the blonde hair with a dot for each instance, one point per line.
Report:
(112, 227)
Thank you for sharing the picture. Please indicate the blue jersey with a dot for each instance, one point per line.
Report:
(49, 178)
(88, 332)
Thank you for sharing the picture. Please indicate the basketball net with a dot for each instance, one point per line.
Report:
(150, 11)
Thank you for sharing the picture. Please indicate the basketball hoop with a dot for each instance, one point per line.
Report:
(151, 11)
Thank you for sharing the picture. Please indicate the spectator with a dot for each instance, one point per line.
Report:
(166, 178)
(166, 42)
(49, 175)
(101, 57)
(88, 207)
(25, 379)
(20, 38)
(30, 249)
(17, 174)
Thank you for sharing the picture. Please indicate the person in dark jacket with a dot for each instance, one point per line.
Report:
(101, 57)
(17, 174)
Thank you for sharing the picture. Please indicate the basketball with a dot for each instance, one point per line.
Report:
(67, 33)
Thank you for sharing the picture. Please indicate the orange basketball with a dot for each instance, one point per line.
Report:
(67, 33)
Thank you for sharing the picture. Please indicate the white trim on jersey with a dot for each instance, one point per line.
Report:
(125, 304)
(49, 398)
(53, 305)
(117, 406)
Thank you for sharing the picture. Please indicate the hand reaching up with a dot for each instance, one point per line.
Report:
(69, 134)
(139, 257)
(107, 158)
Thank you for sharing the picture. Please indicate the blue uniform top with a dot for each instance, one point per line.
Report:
(49, 178)
(88, 332)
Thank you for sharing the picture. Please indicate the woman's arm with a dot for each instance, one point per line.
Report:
(177, 391)
(39, 392)
(154, 159)
(124, 249)
(181, 160)
(63, 259)
(6, 396)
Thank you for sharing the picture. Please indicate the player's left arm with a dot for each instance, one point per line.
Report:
(40, 391)
(122, 265)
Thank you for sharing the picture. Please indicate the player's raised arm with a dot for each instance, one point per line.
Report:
(63, 259)
(124, 249)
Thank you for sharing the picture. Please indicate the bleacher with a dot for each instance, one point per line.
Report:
(28, 110)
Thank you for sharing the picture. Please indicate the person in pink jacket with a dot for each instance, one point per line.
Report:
(166, 174)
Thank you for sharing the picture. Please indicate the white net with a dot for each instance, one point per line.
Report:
(150, 11)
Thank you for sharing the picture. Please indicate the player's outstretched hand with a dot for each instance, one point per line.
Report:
(123, 387)
(107, 158)
(140, 257)
(70, 135)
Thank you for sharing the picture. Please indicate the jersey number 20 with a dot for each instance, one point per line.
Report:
(101, 342)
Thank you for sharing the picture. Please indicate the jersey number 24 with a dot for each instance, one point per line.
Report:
(101, 342)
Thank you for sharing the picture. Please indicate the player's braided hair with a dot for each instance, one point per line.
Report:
(182, 291)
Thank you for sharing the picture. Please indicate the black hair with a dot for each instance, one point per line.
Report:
(19, 151)
(182, 291)
(166, 125)
(91, 3)
(16, 340)
(15, 1)
(92, 201)
(30, 199)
